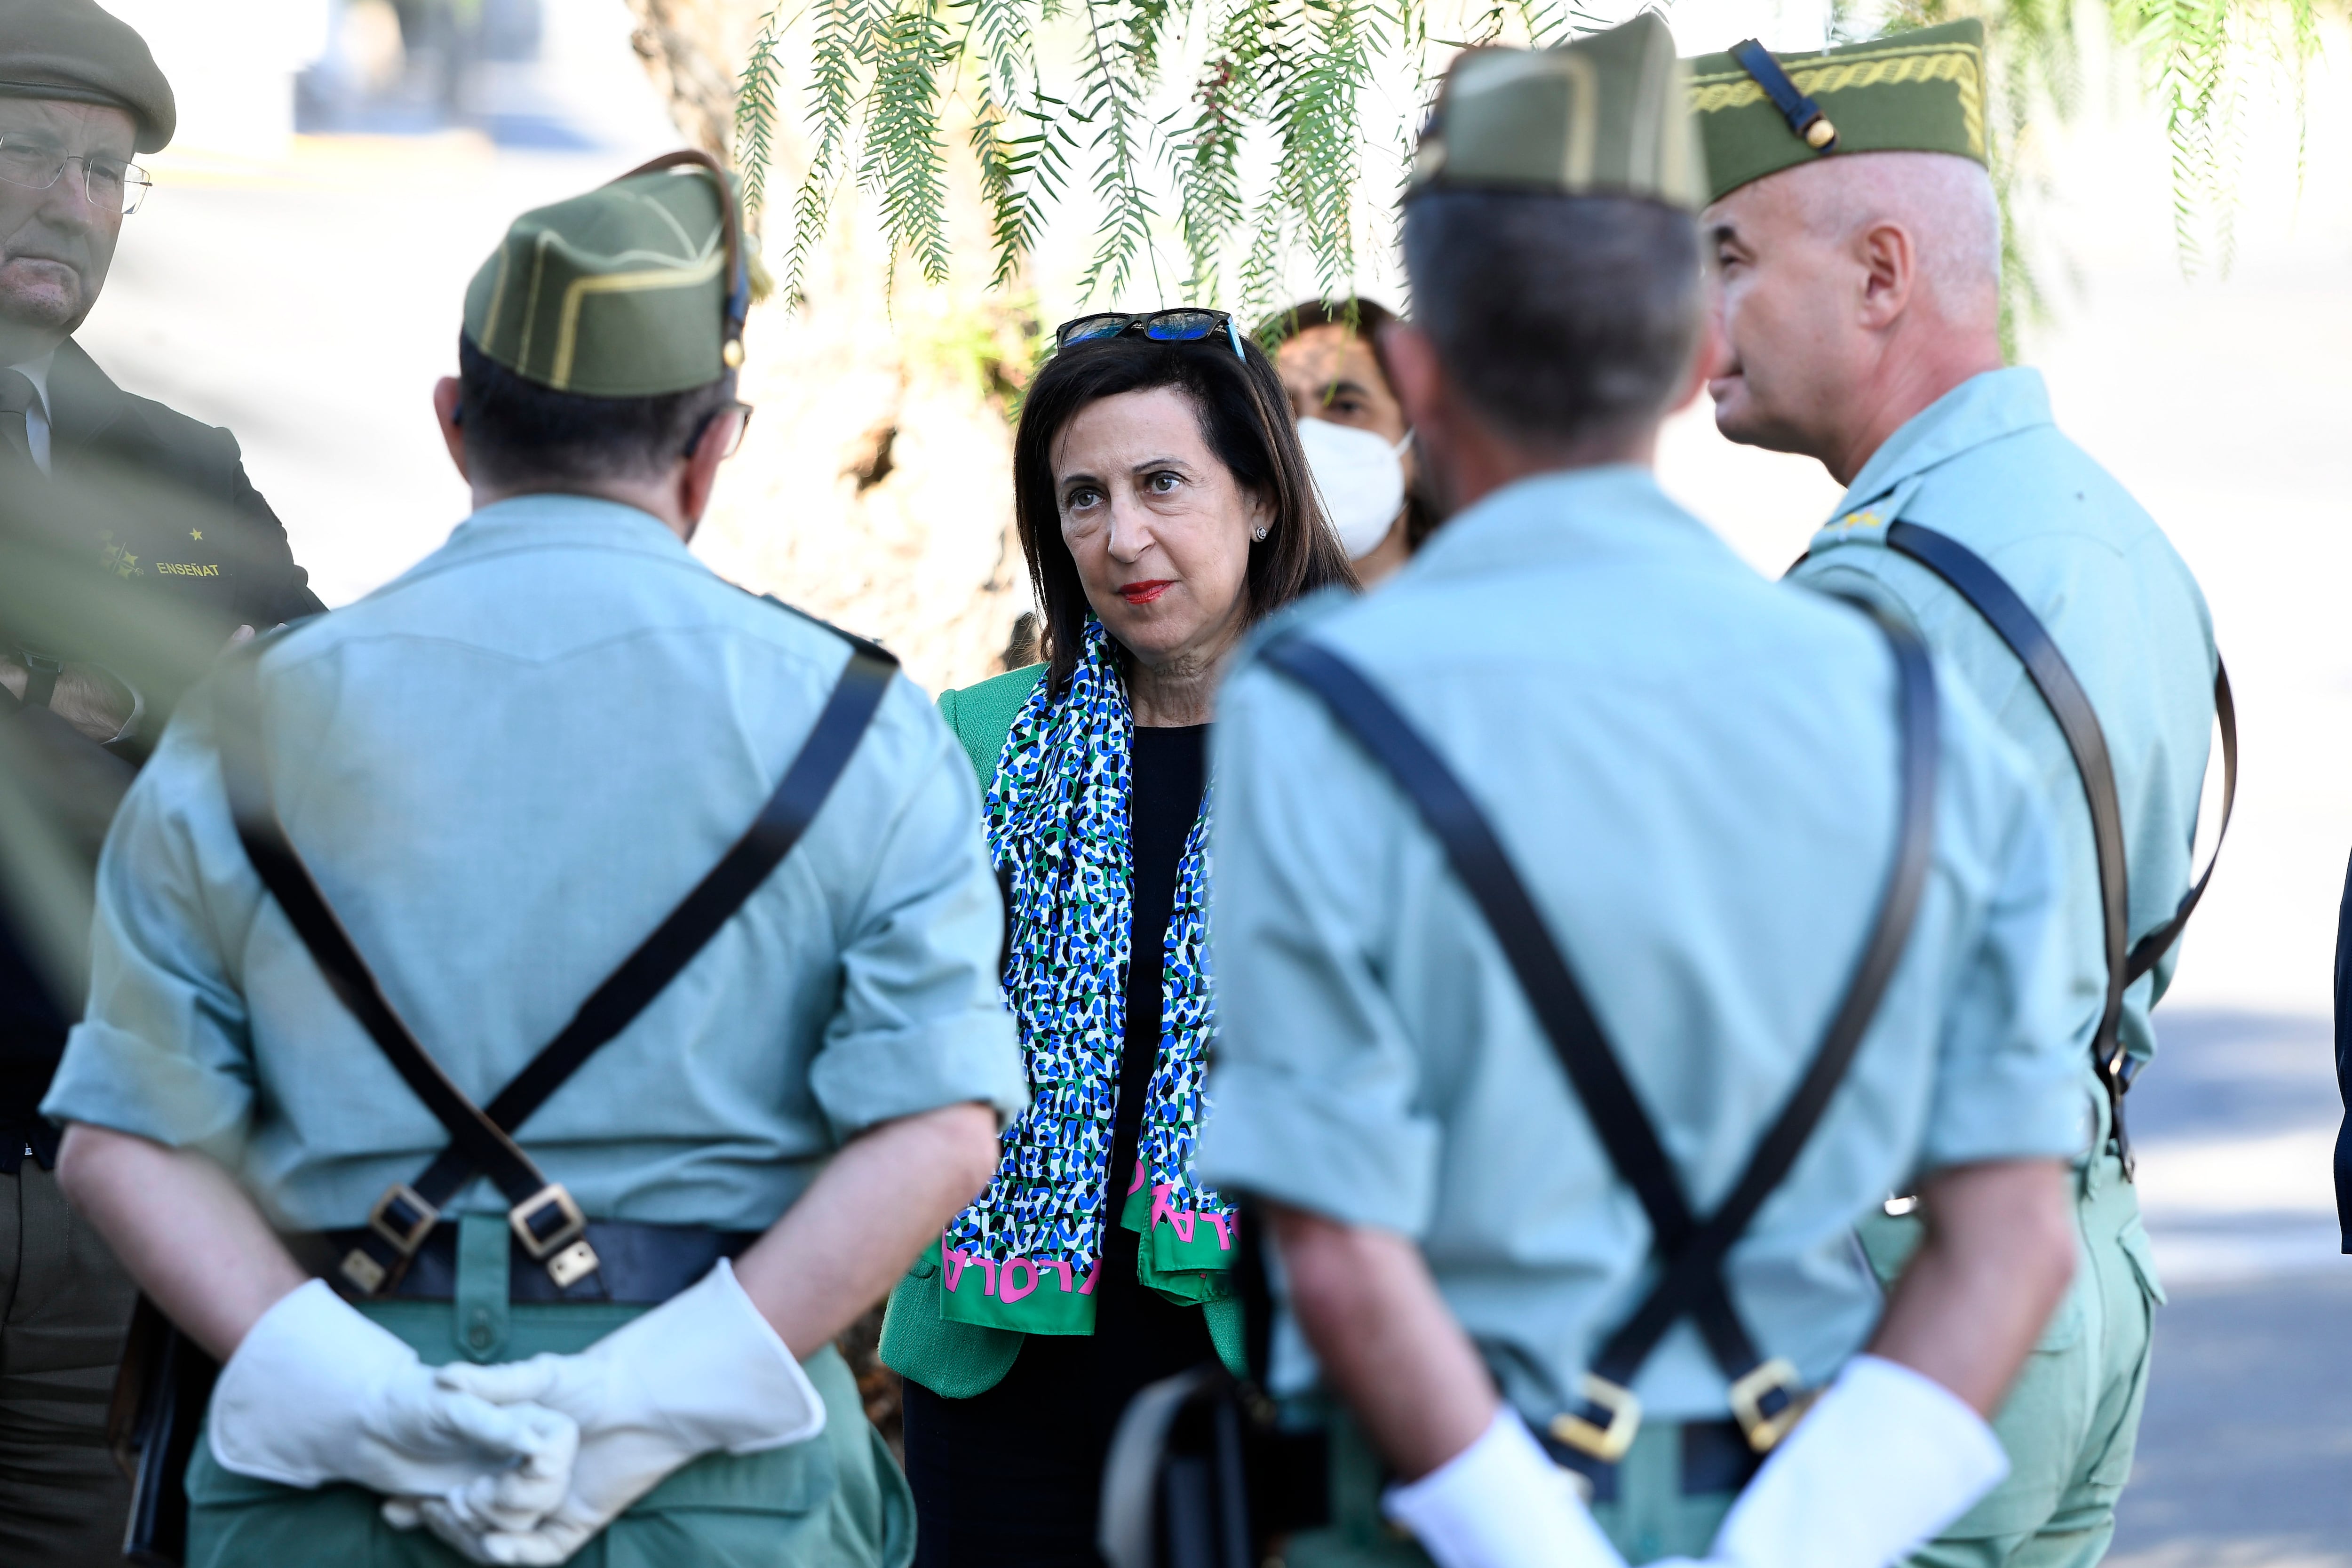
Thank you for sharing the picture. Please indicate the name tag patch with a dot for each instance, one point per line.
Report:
(187, 569)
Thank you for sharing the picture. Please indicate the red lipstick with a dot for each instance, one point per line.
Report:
(1145, 592)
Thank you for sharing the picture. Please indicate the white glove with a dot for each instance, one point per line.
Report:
(702, 1372)
(1884, 1460)
(317, 1393)
(1501, 1503)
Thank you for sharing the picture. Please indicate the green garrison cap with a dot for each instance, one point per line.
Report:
(72, 50)
(1920, 91)
(637, 289)
(1605, 115)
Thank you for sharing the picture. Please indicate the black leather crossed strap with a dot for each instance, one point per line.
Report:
(1765, 1396)
(1804, 116)
(1973, 578)
(547, 1223)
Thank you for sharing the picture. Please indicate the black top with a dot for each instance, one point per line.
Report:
(1011, 1476)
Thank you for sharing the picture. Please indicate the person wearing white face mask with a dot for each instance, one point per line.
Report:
(1353, 430)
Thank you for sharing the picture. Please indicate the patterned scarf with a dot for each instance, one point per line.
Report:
(1026, 1256)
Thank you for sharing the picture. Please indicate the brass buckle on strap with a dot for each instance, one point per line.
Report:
(1606, 1444)
(403, 1217)
(1765, 1419)
(561, 1247)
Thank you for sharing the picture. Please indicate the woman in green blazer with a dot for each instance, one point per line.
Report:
(1165, 506)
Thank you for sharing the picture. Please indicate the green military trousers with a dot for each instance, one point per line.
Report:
(2071, 1421)
(834, 1501)
(1654, 1514)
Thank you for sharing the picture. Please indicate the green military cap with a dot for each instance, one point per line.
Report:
(70, 50)
(1605, 115)
(1920, 91)
(635, 290)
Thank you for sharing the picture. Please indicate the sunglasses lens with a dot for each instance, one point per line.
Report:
(1088, 328)
(1181, 326)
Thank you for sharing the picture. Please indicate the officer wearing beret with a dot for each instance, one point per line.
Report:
(1723, 807)
(1858, 241)
(154, 512)
(371, 871)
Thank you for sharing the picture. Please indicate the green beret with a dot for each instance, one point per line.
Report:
(1605, 115)
(637, 289)
(1921, 92)
(70, 50)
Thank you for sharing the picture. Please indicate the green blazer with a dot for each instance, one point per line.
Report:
(957, 1361)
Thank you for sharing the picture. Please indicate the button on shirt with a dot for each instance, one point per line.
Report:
(1693, 771)
(504, 769)
(1985, 465)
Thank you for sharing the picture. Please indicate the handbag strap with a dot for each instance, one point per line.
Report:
(1969, 575)
(1690, 1252)
(545, 1218)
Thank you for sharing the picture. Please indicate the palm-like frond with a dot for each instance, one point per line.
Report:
(1262, 160)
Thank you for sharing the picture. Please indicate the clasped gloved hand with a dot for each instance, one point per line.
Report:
(316, 1393)
(1881, 1463)
(1501, 1503)
(704, 1372)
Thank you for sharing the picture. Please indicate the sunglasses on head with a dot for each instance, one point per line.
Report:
(1182, 325)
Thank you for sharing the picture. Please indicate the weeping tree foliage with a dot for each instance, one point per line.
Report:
(1220, 140)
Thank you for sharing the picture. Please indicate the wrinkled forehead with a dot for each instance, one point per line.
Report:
(75, 127)
(1125, 430)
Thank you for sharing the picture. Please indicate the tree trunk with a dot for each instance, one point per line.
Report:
(875, 485)
(875, 488)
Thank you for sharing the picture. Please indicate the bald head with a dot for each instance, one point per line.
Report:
(1945, 203)
(1855, 290)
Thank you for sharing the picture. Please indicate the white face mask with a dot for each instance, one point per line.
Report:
(1360, 478)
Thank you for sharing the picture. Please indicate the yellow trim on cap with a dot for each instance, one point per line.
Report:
(497, 300)
(567, 334)
(1957, 64)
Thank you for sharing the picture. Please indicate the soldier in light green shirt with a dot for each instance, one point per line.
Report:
(1695, 772)
(1862, 305)
(503, 771)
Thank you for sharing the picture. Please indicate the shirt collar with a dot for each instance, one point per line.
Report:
(551, 517)
(36, 371)
(1981, 409)
(1569, 515)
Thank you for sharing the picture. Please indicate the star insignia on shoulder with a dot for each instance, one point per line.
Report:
(196, 533)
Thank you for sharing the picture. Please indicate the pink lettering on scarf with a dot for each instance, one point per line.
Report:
(1181, 1219)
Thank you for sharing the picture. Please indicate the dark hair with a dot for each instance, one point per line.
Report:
(1368, 317)
(1245, 419)
(1559, 317)
(518, 431)
(1365, 318)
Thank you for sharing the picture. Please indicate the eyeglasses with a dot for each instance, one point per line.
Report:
(1184, 324)
(741, 412)
(111, 185)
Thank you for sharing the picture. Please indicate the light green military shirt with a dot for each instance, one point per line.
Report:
(504, 769)
(1986, 465)
(1693, 771)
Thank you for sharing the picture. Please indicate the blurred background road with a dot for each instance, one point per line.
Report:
(297, 274)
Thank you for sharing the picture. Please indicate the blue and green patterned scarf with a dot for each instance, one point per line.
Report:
(1026, 1256)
